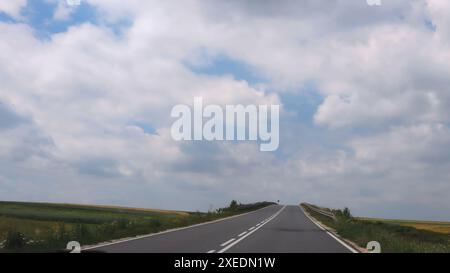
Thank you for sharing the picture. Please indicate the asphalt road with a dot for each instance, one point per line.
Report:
(274, 229)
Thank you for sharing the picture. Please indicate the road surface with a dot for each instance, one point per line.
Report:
(274, 229)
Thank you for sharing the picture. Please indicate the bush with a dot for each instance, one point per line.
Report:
(346, 213)
(15, 240)
(81, 233)
(343, 215)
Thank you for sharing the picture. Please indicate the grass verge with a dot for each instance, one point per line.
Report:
(394, 237)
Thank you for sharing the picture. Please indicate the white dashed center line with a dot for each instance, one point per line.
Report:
(242, 234)
(233, 241)
(227, 242)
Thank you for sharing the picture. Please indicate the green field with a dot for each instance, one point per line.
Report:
(395, 236)
(45, 226)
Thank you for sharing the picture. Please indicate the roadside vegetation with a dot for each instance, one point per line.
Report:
(394, 236)
(38, 227)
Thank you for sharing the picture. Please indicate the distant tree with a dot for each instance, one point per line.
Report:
(347, 213)
(233, 205)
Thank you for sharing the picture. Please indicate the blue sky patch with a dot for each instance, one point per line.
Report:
(146, 127)
(303, 103)
(39, 15)
(430, 25)
(6, 18)
(224, 65)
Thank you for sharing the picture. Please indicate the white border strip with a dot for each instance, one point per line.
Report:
(251, 232)
(168, 231)
(329, 233)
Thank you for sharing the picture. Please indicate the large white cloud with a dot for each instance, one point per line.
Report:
(91, 97)
(80, 99)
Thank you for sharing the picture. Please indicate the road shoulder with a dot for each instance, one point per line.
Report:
(353, 247)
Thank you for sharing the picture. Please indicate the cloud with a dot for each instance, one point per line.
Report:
(62, 11)
(8, 118)
(12, 8)
(85, 98)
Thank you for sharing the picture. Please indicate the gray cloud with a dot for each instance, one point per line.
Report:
(103, 167)
(8, 118)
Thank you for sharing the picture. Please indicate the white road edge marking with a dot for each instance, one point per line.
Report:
(167, 231)
(242, 234)
(211, 251)
(250, 233)
(329, 233)
(227, 242)
(252, 228)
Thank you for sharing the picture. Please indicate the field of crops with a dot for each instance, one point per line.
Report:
(439, 227)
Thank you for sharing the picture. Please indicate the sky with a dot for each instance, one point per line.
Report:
(86, 93)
